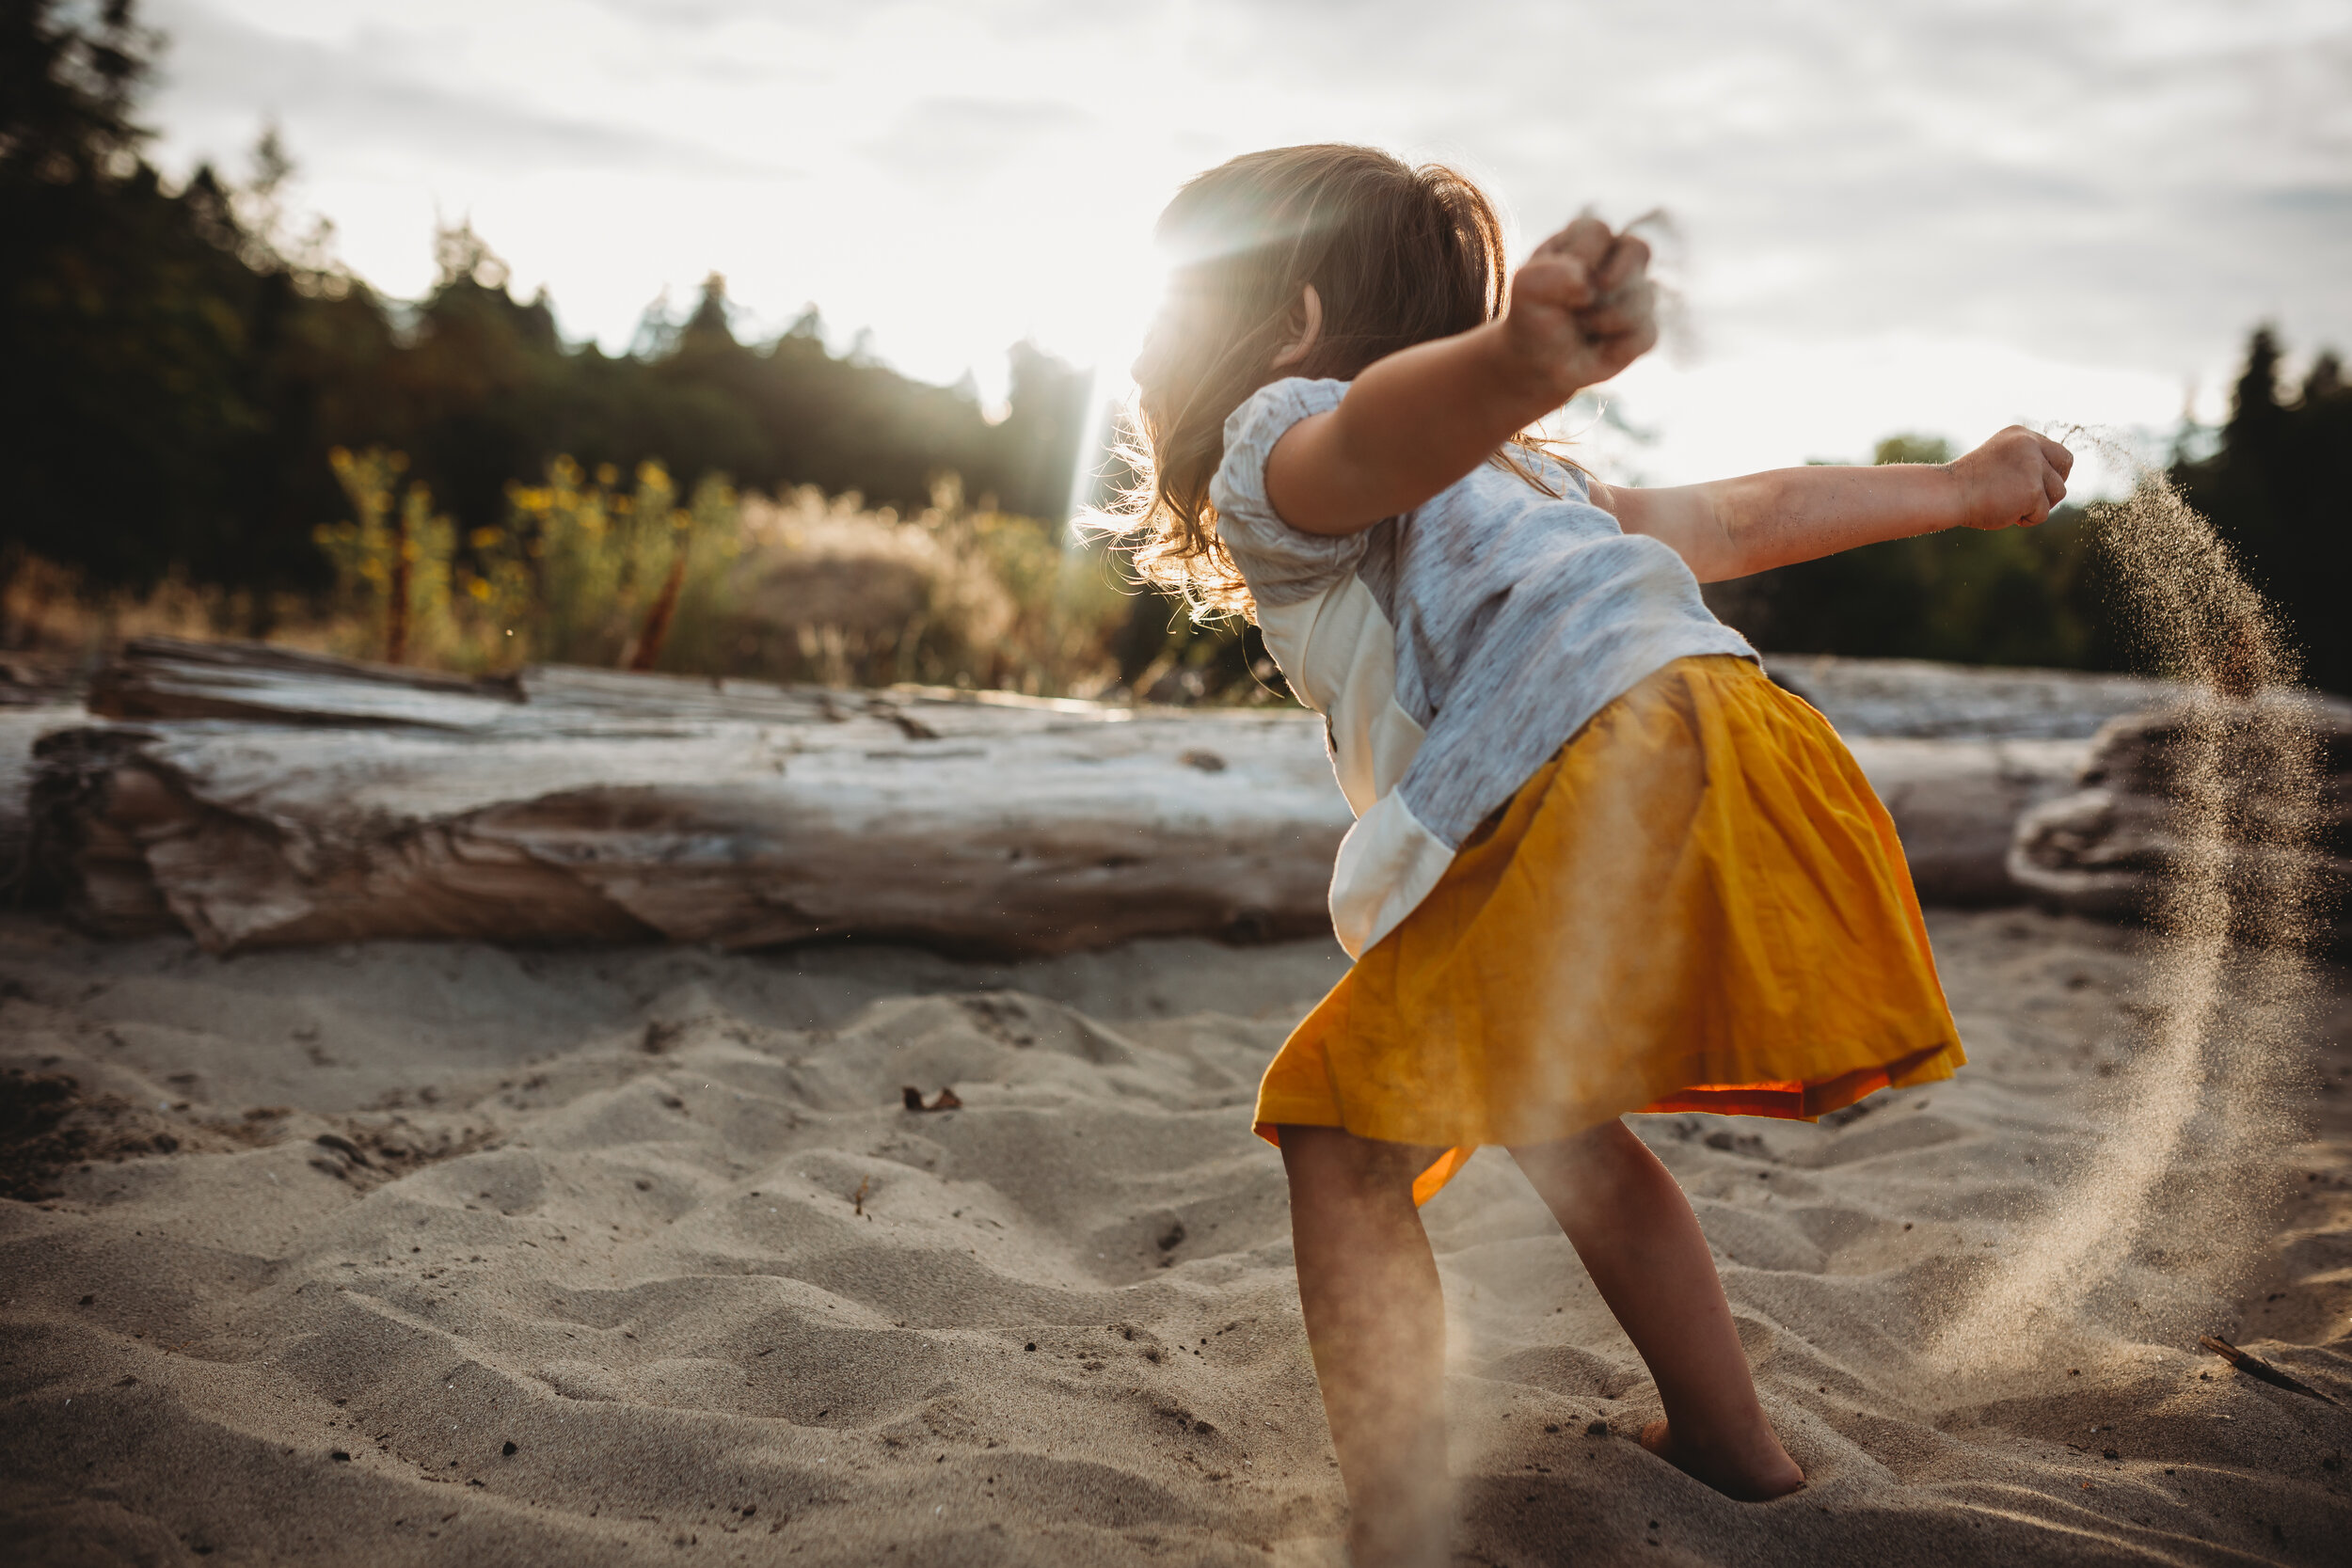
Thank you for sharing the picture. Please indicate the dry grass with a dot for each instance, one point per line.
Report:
(950, 596)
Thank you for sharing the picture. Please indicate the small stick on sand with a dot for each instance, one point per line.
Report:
(2256, 1366)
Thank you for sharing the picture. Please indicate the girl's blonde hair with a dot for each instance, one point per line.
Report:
(1399, 255)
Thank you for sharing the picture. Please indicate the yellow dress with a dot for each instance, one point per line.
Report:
(1697, 904)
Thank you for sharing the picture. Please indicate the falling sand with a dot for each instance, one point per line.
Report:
(2149, 1238)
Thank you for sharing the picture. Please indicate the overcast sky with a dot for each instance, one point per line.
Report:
(1893, 216)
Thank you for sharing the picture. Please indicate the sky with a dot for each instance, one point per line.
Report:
(1887, 217)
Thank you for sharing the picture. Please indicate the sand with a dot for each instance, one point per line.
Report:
(416, 1253)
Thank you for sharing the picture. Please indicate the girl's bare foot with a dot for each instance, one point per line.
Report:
(1752, 1478)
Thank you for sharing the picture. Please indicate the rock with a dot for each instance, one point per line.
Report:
(21, 726)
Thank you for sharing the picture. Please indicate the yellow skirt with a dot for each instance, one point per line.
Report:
(1697, 904)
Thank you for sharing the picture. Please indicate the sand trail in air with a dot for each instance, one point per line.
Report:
(2148, 1239)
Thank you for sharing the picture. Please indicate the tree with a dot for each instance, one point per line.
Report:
(66, 90)
(2276, 490)
(123, 326)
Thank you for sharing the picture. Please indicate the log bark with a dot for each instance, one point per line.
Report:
(167, 677)
(261, 797)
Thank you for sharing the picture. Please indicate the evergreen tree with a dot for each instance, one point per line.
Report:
(123, 326)
(2279, 489)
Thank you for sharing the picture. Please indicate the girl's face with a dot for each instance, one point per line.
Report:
(1185, 320)
(1161, 344)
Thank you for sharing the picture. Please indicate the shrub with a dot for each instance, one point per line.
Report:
(581, 572)
(803, 588)
(951, 596)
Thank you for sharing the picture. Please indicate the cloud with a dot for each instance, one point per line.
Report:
(952, 141)
(2097, 185)
(371, 95)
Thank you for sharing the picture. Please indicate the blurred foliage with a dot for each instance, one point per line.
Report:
(585, 573)
(581, 572)
(949, 596)
(594, 567)
(174, 368)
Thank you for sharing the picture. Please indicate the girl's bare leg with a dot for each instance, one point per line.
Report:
(1629, 1221)
(1375, 1321)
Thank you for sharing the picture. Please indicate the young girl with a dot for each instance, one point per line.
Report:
(1601, 863)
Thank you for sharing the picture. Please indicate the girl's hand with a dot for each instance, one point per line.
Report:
(2012, 479)
(1582, 309)
(1417, 420)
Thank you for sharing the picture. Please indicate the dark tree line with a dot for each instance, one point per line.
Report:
(173, 373)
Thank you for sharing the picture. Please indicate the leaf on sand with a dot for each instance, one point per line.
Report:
(2256, 1366)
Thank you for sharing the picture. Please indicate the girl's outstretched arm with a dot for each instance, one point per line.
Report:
(1581, 310)
(1733, 526)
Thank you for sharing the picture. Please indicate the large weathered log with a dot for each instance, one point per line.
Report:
(160, 677)
(607, 807)
(2107, 848)
(264, 797)
(165, 678)
(168, 677)
(1917, 699)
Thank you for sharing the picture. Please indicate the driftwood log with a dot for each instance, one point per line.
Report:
(317, 800)
(2107, 848)
(259, 797)
(1917, 699)
(1958, 751)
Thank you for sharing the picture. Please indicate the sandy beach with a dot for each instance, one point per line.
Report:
(395, 1253)
(688, 693)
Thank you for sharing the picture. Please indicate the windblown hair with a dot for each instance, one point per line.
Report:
(1398, 255)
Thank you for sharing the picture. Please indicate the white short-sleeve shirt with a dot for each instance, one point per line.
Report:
(1451, 650)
